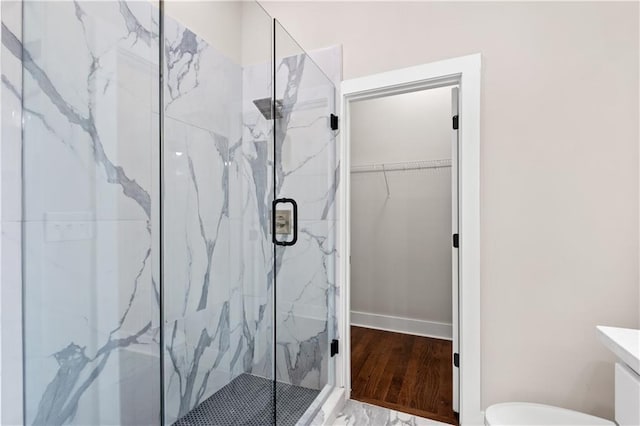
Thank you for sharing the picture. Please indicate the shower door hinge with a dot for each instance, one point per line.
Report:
(455, 122)
(334, 347)
(456, 360)
(334, 122)
(456, 241)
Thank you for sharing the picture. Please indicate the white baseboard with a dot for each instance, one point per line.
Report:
(438, 330)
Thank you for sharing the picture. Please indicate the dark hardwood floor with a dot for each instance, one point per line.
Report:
(402, 372)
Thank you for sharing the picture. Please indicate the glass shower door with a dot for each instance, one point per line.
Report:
(304, 226)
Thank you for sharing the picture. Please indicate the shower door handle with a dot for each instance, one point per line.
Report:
(292, 221)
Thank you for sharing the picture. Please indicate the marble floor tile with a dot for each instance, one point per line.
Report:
(357, 413)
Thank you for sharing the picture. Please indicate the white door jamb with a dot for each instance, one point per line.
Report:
(465, 72)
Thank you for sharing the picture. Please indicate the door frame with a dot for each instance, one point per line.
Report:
(464, 71)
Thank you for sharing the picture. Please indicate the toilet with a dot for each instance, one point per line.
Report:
(526, 413)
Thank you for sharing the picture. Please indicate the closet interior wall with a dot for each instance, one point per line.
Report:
(401, 212)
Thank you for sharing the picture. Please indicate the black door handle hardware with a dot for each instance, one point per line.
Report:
(294, 220)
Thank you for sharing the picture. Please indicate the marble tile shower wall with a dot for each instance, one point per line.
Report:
(10, 239)
(218, 223)
(90, 212)
(91, 219)
(307, 171)
(205, 344)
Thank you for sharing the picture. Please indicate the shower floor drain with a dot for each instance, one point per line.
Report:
(248, 400)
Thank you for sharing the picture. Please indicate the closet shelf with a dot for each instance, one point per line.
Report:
(395, 167)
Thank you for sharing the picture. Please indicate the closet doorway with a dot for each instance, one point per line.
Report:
(404, 260)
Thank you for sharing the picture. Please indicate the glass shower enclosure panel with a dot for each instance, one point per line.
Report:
(217, 250)
(178, 221)
(90, 282)
(304, 228)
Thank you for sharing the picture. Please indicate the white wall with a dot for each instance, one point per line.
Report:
(241, 30)
(217, 22)
(559, 171)
(401, 245)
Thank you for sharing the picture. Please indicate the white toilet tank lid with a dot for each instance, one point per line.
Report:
(526, 413)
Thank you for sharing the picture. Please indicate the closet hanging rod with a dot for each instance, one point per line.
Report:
(394, 167)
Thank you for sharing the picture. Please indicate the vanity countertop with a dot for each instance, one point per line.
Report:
(624, 342)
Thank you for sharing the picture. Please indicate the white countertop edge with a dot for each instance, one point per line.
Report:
(623, 342)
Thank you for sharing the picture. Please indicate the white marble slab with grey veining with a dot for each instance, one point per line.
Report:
(357, 413)
(90, 286)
